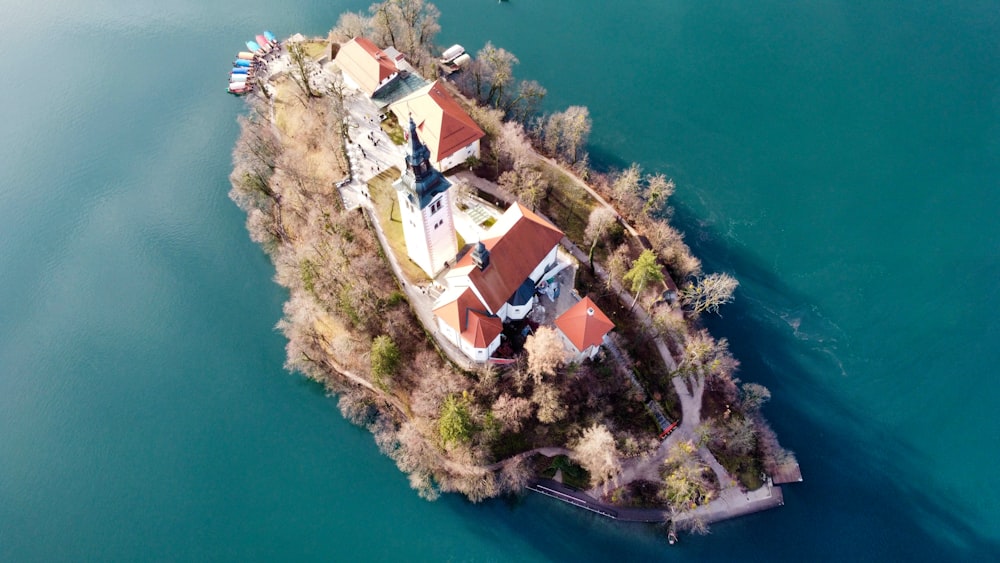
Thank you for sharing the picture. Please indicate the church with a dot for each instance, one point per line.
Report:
(495, 281)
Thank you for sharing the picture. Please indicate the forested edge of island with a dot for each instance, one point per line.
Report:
(486, 430)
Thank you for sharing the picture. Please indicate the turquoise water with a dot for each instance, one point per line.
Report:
(840, 158)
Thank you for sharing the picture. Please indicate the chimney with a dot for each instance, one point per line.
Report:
(481, 256)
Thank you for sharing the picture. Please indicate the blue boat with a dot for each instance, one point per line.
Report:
(242, 63)
(253, 46)
(240, 70)
(270, 37)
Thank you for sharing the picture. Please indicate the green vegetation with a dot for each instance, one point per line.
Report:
(645, 270)
(455, 424)
(385, 360)
(572, 474)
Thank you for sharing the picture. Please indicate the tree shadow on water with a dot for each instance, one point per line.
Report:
(866, 491)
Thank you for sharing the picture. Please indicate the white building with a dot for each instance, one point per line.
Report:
(366, 67)
(451, 135)
(425, 205)
(495, 281)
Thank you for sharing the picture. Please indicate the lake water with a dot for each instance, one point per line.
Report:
(840, 158)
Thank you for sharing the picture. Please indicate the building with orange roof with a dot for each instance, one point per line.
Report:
(503, 269)
(464, 322)
(366, 67)
(583, 328)
(451, 135)
(495, 281)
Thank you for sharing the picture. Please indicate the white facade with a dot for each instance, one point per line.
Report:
(459, 156)
(429, 233)
(476, 354)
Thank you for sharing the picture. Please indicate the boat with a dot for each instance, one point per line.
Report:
(245, 56)
(452, 53)
(270, 37)
(264, 44)
(240, 70)
(238, 78)
(462, 60)
(242, 63)
(238, 89)
(253, 46)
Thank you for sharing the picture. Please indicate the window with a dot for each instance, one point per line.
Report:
(435, 207)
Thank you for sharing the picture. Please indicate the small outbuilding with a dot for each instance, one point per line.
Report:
(583, 327)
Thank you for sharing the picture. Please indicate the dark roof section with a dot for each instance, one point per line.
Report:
(406, 84)
(421, 180)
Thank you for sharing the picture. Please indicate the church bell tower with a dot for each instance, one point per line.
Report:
(425, 204)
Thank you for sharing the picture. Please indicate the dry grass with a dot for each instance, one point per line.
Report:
(387, 208)
(301, 124)
(315, 49)
(392, 128)
(568, 205)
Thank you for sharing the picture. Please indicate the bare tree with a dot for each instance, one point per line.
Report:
(687, 483)
(618, 264)
(710, 292)
(627, 189)
(599, 225)
(350, 25)
(511, 412)
(658, 190)
(526, 184)
(545, 353)
(493, 73)
(522, 106)
(597, 453)
(302, 67)
(550, 406)
(566, 133)
(754, 395)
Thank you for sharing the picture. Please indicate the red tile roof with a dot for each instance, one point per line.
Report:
(465, 314)
(442, 124)
(365, 63)
(482, 329)
(584, 324)
(518, 242)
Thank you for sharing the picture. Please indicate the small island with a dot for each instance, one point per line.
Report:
(498, 314)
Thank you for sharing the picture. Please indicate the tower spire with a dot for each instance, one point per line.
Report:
(419, 158)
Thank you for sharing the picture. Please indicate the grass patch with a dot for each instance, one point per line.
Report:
(568, 205)
(389, 216)
(391, 127)
(747, 469)
(573, 475)
(315, 49)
